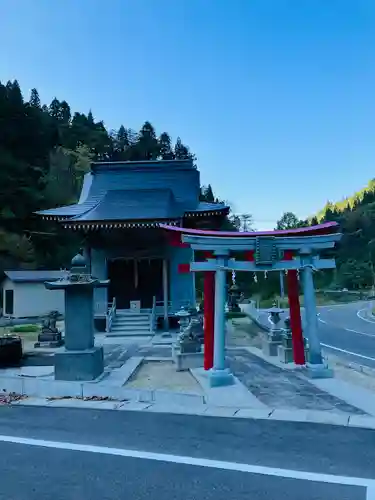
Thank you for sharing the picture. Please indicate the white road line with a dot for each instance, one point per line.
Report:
(361, 333)
(370, 494)
(364, 319)
(347, 352)
(199, 462)
(347, 329)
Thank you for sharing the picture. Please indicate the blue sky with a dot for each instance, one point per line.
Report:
(275, 97)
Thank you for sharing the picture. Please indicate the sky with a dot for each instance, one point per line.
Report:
(275, 97)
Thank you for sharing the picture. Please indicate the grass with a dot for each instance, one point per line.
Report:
(321, 300)
(234, 315)
(25, 328)
(26, 332)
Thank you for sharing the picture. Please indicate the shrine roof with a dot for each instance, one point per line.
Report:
(139, 204)
(28, 276)
(319, 229)
(163, 190)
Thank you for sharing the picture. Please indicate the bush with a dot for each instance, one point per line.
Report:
(25, 328)
(234, 315)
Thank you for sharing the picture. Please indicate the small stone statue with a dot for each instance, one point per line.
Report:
(50, 336)
(49, 324)
(190, 339)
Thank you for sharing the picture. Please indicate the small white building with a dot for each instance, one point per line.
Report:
(23, 294)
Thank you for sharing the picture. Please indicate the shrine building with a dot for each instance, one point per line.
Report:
(119, 213)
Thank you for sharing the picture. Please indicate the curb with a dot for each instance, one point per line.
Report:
(275, 415)
(26, 386)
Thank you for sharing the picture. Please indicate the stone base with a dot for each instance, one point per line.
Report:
(270, 347)
(185, 361)
(79, 365)
(52, 343)
(318, 371)
(220, 378)
(285, 354)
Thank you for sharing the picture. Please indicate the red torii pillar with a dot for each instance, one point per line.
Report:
(295, 313)
(209, 316)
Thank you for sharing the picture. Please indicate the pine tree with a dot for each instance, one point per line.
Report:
(147, 147)
(165, 147)
(34, 99)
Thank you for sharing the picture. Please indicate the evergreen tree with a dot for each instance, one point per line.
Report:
(165, 147)
(34, 99)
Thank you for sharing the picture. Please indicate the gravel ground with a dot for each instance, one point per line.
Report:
(163, 375)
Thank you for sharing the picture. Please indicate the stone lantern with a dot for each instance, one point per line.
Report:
(275, 335)
(184, 318)
(274, 315)
(233, 298)
(79, 359)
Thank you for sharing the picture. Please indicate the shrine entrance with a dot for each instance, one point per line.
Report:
(292, 251)
(135, 279)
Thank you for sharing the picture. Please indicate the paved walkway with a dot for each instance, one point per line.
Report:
(282, 389)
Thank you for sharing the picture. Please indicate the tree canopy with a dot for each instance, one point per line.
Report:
(45, 150)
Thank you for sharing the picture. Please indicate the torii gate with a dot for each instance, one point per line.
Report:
(291, 250)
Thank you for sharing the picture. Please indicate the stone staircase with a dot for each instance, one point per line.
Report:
(131, 324)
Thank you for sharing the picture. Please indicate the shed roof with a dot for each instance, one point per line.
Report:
(26, 276)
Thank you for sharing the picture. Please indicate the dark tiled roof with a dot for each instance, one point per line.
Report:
(140, 204)
(72, 210)
(209, 207)
(34, 276)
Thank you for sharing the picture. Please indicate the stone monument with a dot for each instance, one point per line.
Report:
(79, 359)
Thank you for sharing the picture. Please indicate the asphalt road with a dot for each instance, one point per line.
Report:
(346, 331)
(74, 454)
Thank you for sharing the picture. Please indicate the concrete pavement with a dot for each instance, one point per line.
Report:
(73, 454)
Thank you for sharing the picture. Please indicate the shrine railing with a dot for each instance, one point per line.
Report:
(173, 306)
(153, 314)
(111, 314)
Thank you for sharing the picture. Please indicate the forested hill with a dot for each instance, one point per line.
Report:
(44, 153)
(356, 252)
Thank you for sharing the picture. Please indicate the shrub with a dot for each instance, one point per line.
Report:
(25, 328)
(234, 315)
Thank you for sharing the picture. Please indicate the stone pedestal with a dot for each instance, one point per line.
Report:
(79, 360)
(79, 365)
(285, 354)
(219, 378)
(271, 342)
(186, 360)
(49, 340)
(318, 371)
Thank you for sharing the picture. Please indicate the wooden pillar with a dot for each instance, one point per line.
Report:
(295, 314)
(209, 315)
(295, 318)
(165, 294)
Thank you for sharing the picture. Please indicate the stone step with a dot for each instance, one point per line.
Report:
(130, 327)
(129, 317)
(120, 319)
(132, 314)
(128, 334)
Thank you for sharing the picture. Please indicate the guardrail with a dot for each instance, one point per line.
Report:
(111, 313)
